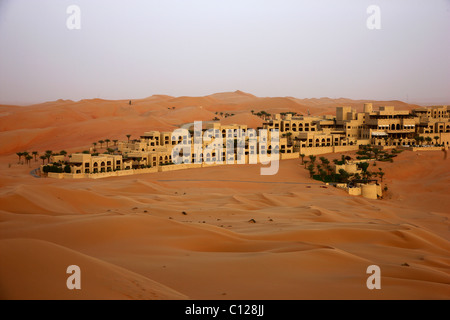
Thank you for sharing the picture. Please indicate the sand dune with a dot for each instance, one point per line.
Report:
(222, 232)
(42, 266)
(37, 125)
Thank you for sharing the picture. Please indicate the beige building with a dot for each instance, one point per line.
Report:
(385, 126)
(86, 163)
(297, 134)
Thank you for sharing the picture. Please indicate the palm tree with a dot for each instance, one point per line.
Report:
(319, 167)
(115, 142)
(101, 143)
(417, 138)
(128, 136)
(325, 163)
(28, 158)
(311, 170)
(35, 154)
(322, 174)
(428, 139)
(422, 139)
(20, 154)
(63, 152)
(381, 174)
(302, 155)
(252, 111)
(312, 158)
(48, 154)
(436, 138)
(107, 141)
(95, 144)
(43, 159)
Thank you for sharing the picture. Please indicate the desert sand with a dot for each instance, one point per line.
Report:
(131, 239)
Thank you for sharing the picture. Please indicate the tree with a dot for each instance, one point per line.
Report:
(312, 158)
(63, 152)
(107, 141)
(35, 154)
(20, 154)
(28, 158)
(252, 111)
(48, 154)
(429, 140)
(381, 174)
(436, 138)
(344, 175)
(128, 136)
(364, 166)
(67, 169)
(417, 138)
(326, 164)
(302, 155)
(101, 143)
(376, 153)
(311, 170)
(422, 139)
(95, 144)
(115, 142)
(43, 157)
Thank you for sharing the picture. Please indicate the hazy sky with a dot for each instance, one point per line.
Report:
(307, 49)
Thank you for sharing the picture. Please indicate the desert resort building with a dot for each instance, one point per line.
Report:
(298, 135)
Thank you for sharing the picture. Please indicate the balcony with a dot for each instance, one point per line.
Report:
(409, 130)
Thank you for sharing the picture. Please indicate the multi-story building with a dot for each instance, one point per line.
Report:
(384, 126)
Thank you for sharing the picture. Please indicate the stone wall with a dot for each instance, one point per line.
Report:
(421, 148)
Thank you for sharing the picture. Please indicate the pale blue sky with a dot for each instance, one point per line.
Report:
(307, 49)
